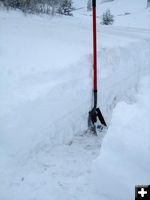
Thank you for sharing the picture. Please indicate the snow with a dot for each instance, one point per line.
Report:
(46, 91)
(53, 172)
(124, 159)
(127, 13)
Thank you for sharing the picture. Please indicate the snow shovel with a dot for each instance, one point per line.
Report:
(95, 113)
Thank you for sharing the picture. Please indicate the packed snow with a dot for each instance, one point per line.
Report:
(46, 93)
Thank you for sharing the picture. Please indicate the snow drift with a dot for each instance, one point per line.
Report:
(124, 159)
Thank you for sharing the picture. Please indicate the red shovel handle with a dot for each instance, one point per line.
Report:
(94, 46)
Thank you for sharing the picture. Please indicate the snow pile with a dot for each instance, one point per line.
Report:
(124, 159)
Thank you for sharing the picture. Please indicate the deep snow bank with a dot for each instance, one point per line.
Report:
(61, 112)
(120, 69)
(124, 159)
(46, 84)
(46, 90)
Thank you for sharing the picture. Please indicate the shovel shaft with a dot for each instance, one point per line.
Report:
(95, 112)
(94, 46)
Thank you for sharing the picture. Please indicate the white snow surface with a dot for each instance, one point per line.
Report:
(129, 13)
(124, 159)
(46, 93)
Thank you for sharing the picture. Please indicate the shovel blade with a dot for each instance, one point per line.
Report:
(93, 116)
(100, 117)
(91, 125)
(92, 119)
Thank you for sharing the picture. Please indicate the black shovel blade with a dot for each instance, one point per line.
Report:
(91, 120)
(93, 114)
(100, 117)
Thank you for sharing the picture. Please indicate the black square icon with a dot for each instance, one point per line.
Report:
(142, 192)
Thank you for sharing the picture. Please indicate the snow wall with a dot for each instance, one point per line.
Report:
(62, 113)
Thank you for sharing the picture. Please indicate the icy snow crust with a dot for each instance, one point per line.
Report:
(46, 90)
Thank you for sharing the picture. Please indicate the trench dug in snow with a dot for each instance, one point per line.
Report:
(56, 161)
